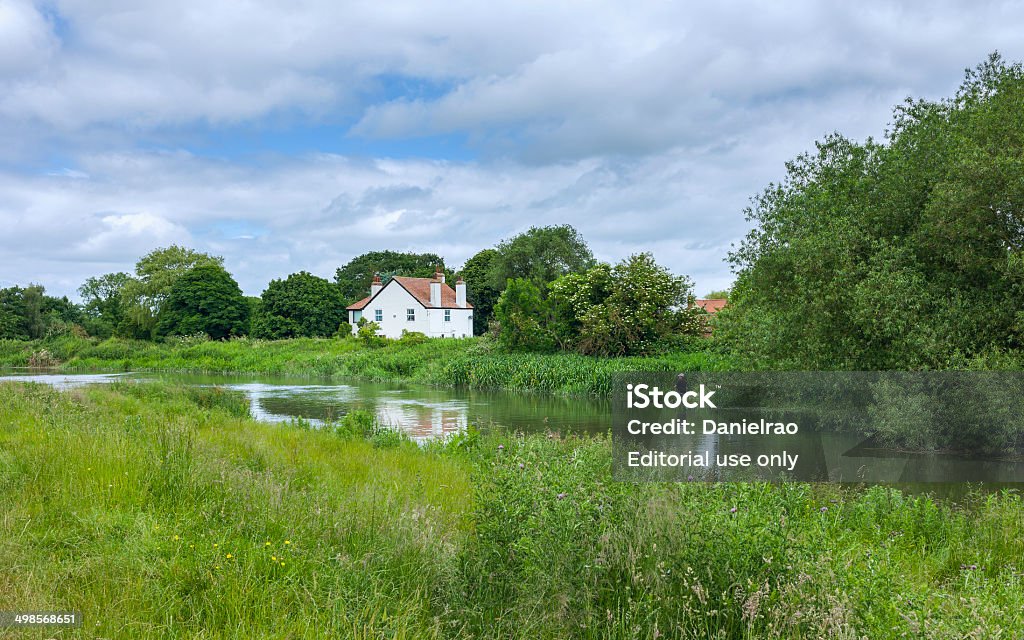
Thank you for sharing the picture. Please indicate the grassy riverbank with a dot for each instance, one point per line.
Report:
(162, 511)
(472, 362)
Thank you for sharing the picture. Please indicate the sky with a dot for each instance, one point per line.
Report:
(296, 135)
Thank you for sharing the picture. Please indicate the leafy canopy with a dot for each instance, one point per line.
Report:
(540, 255)
(156, 273)
(892, 255)
(205, 299)
(354, 278)
(301, 305)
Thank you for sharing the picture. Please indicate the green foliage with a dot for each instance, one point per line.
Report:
(156, 273)
(540, 255)
(480, 292)
(103, 303)
(721, 294)
(413, 337)
(904, 254)
(630, 308)
(367, 334)
(302, 305)
(492, 535)
(205, 300)
(27, 313)
(344, 330)
(522, 316)
(354, 278)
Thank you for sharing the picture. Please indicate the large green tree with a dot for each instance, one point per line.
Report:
(901, 254)
(103, 303)
(27, 313)
(540, 255)
(479, 290)
(627, 309)
(156, 273)
(354, 278)
(301, 305)
(205, 299)
(523, 318)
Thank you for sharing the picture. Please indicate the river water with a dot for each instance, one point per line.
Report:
(425, 412)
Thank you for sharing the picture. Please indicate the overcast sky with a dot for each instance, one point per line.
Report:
(295, 135)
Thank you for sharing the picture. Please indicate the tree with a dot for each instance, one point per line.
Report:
(721, 294)
(302, 305)
(626, 309)
(103, 303)
(27, 313)
(541, 255)
(479, 291)
(205, 299)
(523, 317)
(156, 273)
(354, 278)
(893, 255)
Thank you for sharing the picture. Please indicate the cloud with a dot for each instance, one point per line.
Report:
(647, 125)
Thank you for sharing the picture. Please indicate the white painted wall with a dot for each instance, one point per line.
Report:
(393, 301)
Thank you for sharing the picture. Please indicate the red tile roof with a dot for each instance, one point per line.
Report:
(419, 288)
(711, 305)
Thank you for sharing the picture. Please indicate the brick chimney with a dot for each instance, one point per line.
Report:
(376, 285)
(460, 293)
(439, 275)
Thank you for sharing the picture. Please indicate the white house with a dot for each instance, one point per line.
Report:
(427, 305)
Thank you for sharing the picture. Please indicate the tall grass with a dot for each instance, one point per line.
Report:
(126, 501)
(474, 363)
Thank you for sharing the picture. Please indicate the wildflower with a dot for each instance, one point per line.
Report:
(268, 544)
(287, 541)
(229, 556)
(824, 509)
(282, 564)
(177, 537)
(215, 544)
(273, 558)
(690, 478)
(501, 447)
(522, 466)
(561, 496)
(733, 510)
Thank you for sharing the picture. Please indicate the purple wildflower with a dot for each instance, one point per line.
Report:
(733, 510)
(561, 496)
(824, 509)
(501, 447)
(522, 466)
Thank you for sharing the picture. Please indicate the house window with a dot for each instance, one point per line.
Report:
(447, 315)
(378, 315)
(410, 315)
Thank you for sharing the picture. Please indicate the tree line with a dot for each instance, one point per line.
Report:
(541, 290)
(904, 253)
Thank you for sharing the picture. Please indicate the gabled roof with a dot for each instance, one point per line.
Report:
(418, 288)
(711, 305)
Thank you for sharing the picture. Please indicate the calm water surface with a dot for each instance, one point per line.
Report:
(425, 412)
(421, 411)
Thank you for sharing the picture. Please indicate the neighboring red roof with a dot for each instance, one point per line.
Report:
(711, 305)
(419, 288)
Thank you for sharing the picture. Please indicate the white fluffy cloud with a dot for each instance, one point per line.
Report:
(647, 125)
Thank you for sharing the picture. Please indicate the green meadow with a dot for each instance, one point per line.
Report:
(162, 511)
(471, 362)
